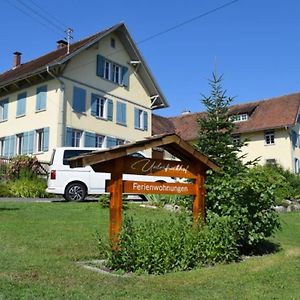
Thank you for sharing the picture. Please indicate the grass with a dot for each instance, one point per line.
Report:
(39, 243)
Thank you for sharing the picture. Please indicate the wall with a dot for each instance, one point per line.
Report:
(33, 120)
(81, 72)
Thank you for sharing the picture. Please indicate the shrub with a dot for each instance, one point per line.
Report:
(28, 187)
(247, 200)
(283, 181)
(172, 244)
(23, 166)
(4, 190)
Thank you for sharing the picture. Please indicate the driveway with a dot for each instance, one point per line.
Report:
(46, 200)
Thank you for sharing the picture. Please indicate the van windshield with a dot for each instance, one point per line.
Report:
(72, 153)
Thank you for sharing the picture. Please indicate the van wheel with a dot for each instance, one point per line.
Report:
(75, 191)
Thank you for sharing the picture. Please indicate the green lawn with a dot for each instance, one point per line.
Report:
(39, 243)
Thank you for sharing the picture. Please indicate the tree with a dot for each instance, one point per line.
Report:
(216, 129)
(244, 196)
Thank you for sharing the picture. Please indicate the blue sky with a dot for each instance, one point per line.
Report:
(255, 44)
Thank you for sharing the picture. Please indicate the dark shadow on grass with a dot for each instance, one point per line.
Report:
(9, 208)
(262, 248)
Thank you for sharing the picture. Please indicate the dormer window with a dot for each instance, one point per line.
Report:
(239, 118)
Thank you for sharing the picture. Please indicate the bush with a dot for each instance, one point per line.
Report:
(286, 184)
(247, 200)
(172, 244)
(28, 187)
(23, 166)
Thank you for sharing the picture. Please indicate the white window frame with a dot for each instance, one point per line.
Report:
(107, 69)
(100, 140)
(101, 107)
(239, 118)
(19, 143)
(77, 138)
(116, 73)
(269, 137)
(141, 119)
(297, 165)
(120, 142)
(39, 140)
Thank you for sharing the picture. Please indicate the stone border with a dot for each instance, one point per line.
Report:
(98, 265)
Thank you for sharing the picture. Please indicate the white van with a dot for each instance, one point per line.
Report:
(75, 183)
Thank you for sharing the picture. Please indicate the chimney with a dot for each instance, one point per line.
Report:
(17, 59)
(61, 44)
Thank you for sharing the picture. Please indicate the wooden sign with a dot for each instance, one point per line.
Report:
(151, 167)
(145, 187)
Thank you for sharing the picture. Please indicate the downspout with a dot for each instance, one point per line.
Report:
(62, 111)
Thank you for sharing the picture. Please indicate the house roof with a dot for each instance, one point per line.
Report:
(170, 142)
(60, 56)
(278, 112)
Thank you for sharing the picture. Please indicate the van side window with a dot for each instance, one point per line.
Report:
(72, 153)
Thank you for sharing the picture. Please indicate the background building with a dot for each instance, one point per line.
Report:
(271, 127)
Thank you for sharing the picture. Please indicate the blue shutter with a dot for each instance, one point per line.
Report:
(79, 96)
(69, 137)
(294, 138)
(100, 66)
(12, 143)
(136, 118)
(121, 113)
(41, 94)
(6, 146)
(125, 76)
(4, 105)
(109, 110)
(110, 142)
(46, 139)
(21, 104)
(145, 120)
(89, 139)
(94, 105)
(25, 143)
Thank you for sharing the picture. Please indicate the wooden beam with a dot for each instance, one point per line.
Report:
(115, 206)
(199, 200)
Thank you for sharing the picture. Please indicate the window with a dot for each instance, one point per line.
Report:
(99, 141)
(271, 161)
(113, 43)
(236, 139)
(76, 138)
(79, 96)
(41, 139)
(120, 142)
(269, 137)
(1, 147)
(3, 109)
(41, 95)
(72, 153)
(19, 148)
(21, 104)
(297, 166)
(9, 146)
(140, 119)
(239, 118)
(73, 138)
(102, 107)
(116, 73)
(121, 113)
(112, 71)
(107, 66)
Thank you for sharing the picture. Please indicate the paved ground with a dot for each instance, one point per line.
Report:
(46, 200)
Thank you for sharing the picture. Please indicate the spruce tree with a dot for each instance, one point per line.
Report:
(216, 129)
